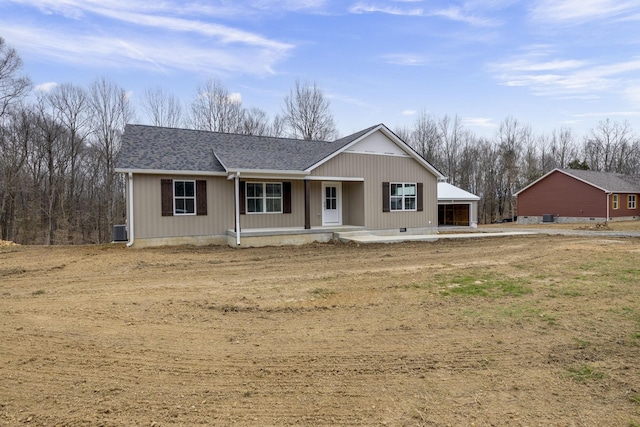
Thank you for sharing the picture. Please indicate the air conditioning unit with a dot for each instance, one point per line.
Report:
(547, 218)
(120, 233)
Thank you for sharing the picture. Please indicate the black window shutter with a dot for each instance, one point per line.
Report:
(201, 197)
(420, 204)
(166, 187)
(286, 197)
(385, 197)
(243, 203)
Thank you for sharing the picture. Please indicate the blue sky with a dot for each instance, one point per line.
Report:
(548, 63)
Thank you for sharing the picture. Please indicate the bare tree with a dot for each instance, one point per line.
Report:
(16, 132)
(609, 147)
(215, 109)
(255, 122)
(424, 137)
(55, 150)
(162, 108)
(277, 126)
(110, 111)
(71, 107)
(451, 135)
(511, 137)
(13, 87)
(306, 113)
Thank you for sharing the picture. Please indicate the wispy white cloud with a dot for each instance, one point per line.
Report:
(159, 53)
(46, 87)
(461, 15)
(409, 112)
(566, 77)
(578, 11)
(407, 59)
(151, 15)
(386, 9)
(479, 122)
(152, 35)
(552, 65)
(453, 13)
(200, 8)
(632, 93)
(610, 114)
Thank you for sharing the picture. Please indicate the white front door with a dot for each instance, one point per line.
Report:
(331, 203)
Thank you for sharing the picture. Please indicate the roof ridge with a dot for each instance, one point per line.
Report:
(247, 135)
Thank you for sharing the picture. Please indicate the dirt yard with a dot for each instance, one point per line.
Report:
(508, 331)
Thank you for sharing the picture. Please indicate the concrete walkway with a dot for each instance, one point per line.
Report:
(363, 237)
(397, 238)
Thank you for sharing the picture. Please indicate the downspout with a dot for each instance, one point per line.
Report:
(131, 235)
(608, 205)
(237, 189)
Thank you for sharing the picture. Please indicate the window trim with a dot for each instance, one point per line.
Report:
(615, 201)
(403, 197)
(629, 201)
(194, 197)
(264, 197)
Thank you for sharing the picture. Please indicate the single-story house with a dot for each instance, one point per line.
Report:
(456, 207)
(572, 195)
(198, 187)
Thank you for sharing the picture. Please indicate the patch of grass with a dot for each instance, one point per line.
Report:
(483, 285)
(635, 398)
(322, 292)
(517, 312)
(39, 292)
(423, 286)
(585, 373)
(568, 292)
(581, 344)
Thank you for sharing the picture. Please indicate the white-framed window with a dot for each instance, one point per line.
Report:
(184, 197)
(403, 196)
(615, 202)
(631, 201)
(264, 197)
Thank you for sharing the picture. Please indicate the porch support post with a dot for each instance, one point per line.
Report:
(236, 181)
(307, 204)
(130, 215)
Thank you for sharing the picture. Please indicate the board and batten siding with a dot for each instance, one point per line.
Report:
(149, 222)
(376, 169)
(277, 220)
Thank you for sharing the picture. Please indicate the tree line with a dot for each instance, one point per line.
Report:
(58, 149)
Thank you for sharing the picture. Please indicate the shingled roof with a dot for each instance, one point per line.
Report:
(157, 149)
(607, 181)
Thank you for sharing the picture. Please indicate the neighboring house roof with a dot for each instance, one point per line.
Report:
(155, 149)
(447, 191)
(608, 182)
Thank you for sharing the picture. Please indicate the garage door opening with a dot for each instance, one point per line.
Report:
(456, 214)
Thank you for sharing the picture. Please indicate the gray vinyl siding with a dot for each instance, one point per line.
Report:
(361, 201)
(376, 169)
(277, 220)
(315, 203)
(353, 203)
(149, 223)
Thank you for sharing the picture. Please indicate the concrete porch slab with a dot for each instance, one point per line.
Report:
(371, 238)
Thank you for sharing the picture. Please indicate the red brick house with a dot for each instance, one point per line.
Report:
(571, 195)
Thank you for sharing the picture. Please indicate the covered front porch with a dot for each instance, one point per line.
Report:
(314, 205)
(258, 237)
